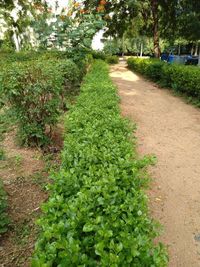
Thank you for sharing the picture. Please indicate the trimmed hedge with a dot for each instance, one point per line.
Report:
(183, 79)
(97, 213)
(22, 56)
(112, 59)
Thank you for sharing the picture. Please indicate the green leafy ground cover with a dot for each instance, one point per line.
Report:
(4, 220)
(182, 79)
(97, 213)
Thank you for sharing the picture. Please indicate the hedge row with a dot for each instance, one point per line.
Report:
(35, 91)
(183, 79)
(108, 58)
(97, 212)
(22, 56)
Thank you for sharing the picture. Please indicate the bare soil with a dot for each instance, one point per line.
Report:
(170, 129)
(24, 173)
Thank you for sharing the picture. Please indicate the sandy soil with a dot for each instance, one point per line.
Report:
(24, 172)
(170, 129)
(25, 195)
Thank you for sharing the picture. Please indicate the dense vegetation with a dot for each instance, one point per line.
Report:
(35, 92)
(4, 220)
(97, 211)
(183, 79)
(150, 26)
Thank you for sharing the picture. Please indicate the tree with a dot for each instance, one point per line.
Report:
(120, 14)
(72, 29)
(17, 25)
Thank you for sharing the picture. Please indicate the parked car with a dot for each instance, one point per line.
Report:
(191, 61)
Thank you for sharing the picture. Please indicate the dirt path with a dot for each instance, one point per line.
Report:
(170, 129)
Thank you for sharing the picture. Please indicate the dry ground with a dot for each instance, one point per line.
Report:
(24, 173)
(170, 129)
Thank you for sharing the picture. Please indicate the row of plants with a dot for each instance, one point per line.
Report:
(35, 85)
(109, 58)
(97, 213)
(181, 78)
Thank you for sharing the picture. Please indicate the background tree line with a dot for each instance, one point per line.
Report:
(133, 25)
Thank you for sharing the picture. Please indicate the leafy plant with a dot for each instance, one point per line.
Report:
(2, 154)
(112, 59)
(97, 213)
(34, 90)
(98, 54)
(111, 47)
(4, 220)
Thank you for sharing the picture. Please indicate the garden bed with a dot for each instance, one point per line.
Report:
(97, 213)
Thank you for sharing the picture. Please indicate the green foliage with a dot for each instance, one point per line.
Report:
(6, 122)
(70, 72)
(181, 78)
(111, 47)
(4, 220)
(10, 57)
(18, 24)
(97, 212)
(89, 59)
(2, 154)
(34, 90)
(98, 54)
(112, 59)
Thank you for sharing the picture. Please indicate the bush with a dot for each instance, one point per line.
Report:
(71, 78)
(112, 59)
(4, 220)
(89, 59)
(34, 91)
(111, 47)
(97, 211)
(183, 79)
(22, 56)
(70, 73)
(98, 55)
(18, 56)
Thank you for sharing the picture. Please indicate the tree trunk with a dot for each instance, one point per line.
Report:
(154, 8)
(196, 49)
(192, 49)
(141, 49)
(123, 45)
(179, 49)
(16, 41)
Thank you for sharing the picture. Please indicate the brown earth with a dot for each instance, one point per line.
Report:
(170, 129)
(24, 173)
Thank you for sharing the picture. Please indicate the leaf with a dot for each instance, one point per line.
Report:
(88, 228)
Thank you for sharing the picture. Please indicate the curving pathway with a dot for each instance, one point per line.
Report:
(170, 129)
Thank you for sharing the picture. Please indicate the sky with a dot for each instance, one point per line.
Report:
(62, 3)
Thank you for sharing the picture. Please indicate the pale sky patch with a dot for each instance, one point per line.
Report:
(61, 3)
